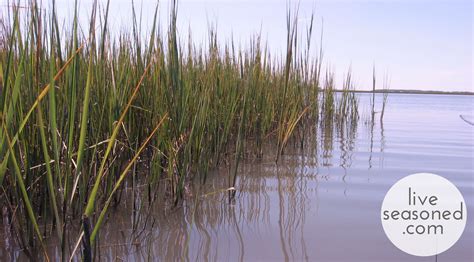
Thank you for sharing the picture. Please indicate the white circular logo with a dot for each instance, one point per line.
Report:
(423, 214)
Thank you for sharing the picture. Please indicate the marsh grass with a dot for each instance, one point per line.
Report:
(80, 109)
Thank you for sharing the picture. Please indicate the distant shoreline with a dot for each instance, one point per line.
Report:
(401, 91)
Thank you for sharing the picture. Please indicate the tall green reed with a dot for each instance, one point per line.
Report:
(104, 101)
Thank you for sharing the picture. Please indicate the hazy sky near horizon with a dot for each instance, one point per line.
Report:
(419, 44)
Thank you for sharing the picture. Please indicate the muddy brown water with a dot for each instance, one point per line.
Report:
(319, 203)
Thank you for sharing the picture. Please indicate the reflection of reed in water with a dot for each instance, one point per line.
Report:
(327, 130)
(206, 227)
(346, 134)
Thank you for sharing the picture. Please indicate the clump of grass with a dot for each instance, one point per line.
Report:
(347, 107)
(79, 110)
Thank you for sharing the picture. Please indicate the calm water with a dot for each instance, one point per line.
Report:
(319, 203)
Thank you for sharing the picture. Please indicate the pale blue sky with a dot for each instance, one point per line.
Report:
(421, 44)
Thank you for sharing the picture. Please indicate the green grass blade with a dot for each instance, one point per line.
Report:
(84, 119)
(49, 173)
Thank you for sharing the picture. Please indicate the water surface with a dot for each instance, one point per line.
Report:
(320, 202)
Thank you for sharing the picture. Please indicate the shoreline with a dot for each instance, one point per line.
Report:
(417, 92)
